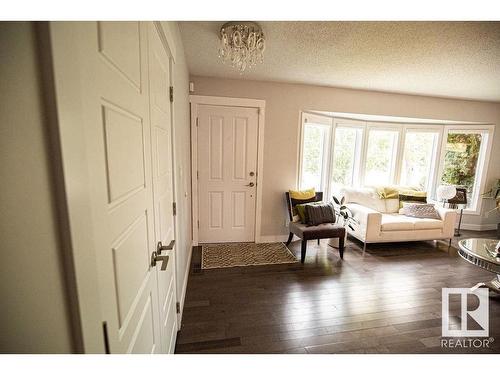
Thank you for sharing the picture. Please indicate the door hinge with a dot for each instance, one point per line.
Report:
(198, 223)
(171, 94)
(196, 121)
(178, 307)
(174, 208)
(197, 175)
(106, 338)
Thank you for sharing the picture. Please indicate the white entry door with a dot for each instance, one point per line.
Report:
(227, 167)
(163, 194)
(119, 85)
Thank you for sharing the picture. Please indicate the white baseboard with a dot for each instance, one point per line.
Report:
(478, 227)
(184, 287)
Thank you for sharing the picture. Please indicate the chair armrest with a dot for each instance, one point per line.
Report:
(369, 220)
(449, 217)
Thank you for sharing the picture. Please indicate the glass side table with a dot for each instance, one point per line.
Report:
(483, 253)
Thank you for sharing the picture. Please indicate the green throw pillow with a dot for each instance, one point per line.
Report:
(301, 210)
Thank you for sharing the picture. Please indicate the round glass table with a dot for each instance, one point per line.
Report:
(483, 253)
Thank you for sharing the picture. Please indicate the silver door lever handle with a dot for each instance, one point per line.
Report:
(156, 258)
(160, 247)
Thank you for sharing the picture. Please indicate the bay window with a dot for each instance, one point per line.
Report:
(338, 152)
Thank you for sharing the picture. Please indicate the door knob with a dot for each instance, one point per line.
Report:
(250, 184)
(252, 173)
(160, 246)
(157, 258)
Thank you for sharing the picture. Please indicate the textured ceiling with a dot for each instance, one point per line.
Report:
(450, 59)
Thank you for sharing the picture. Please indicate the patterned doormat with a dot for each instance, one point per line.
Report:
(225, 255)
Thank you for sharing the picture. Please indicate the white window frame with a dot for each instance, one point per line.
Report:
(360, 146)
(396, 157)
(432, 178)
(483, 160)
(442, 129)
(327, 122)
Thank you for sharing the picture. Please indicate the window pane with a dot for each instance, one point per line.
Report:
(461, 161)
(417, 159)
(380, 157)
(344, 156)
(313, 156)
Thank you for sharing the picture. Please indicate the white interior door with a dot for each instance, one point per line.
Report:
(227, 167)
(163, 195)
(103, 67)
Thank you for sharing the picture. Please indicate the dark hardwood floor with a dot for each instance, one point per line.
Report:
(388, 301)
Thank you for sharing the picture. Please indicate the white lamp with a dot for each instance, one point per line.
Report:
(445, 192)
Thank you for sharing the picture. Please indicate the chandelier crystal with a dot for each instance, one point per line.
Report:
(242, 44)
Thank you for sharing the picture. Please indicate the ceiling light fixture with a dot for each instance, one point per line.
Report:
(242, 44)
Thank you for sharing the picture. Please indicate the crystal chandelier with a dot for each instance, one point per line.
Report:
(242, 44)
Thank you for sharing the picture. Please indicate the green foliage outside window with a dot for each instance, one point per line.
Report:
(460, 160)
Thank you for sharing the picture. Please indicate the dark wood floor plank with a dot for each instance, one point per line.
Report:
(387, 301)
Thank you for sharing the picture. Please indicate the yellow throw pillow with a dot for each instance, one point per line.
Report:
(387, 192)
(302, 194)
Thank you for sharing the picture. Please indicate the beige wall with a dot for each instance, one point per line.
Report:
(284, 102)
(182, 155)
(34, 315)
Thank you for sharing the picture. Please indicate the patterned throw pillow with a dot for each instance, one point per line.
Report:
(320, 213)
(420, 210)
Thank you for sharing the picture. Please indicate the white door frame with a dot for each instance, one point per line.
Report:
(196, 100)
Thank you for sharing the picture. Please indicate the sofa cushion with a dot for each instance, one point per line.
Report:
(397, 222)
(391, 206)
(367, 197)
(428, 224)
(318, 231)
(392, 222)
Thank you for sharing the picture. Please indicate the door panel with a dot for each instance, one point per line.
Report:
(120, 44)
(119, 81)
(112, 60)
(161, 134)
(227, 163)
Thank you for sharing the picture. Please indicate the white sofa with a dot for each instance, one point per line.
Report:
(378, 220)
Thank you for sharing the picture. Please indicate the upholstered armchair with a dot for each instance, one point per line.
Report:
(312, 232)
